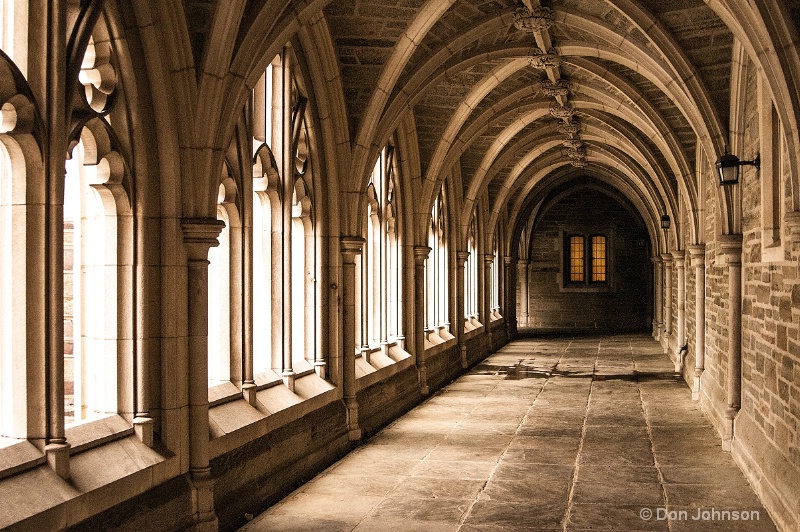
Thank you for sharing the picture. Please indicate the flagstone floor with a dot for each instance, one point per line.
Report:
(571, 434)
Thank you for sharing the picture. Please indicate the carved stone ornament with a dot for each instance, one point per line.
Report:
(574, 144)
(541, 60)
(579, 163)
(561, 111)
(569, 128)
(540, 19)
(560, 88)
(576, 153)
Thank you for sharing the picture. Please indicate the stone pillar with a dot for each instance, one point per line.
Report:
(731, 250)
(698, 257)
(350, 247)
(658, 300)
(199, 235)
(522, 273)
(461, 260)
(679, 259)
(509, 291)
(420, 256)
(667, 258)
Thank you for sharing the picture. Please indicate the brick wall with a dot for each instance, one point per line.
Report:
(624, 302)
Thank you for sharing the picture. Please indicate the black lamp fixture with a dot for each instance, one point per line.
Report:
(728, 168)
(665, 222)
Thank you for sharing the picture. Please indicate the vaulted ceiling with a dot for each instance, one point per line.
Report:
(518, 92)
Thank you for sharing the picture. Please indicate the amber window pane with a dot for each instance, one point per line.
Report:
(598, 259)
(577, 259)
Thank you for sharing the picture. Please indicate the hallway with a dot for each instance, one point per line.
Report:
(580, 433)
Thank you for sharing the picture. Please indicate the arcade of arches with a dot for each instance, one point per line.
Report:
(237, 238)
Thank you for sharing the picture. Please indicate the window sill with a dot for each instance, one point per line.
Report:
(17, 456)
(379, 364)
(237, 422)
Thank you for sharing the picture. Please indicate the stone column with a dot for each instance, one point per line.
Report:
(658, 301)
(667, 258)
(679, 259)
(522, 273)
(509, 291)
(731, 250)
(698, 257)
(461, 260)
(420, 256)
(199, 235)
(350, 247)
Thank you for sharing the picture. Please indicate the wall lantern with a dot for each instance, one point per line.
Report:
(728, 168)
(665, 223)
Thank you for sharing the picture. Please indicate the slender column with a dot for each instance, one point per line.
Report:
(731, 249)
(658, 300)
(522, 273)
(199, 235)
(287, 165)
(46, 70)
(350, 247)
(667, 298)
(679, 259)
(420, 256)
(509, 290)
(698, 257)
(461, 260)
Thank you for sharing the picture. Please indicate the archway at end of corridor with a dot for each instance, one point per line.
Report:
(588, 264)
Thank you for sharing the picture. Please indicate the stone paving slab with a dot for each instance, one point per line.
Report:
(572, 434)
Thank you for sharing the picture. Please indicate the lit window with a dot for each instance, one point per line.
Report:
(577, 259)
(598, 259)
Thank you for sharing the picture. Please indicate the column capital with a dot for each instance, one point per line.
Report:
(488, 258)
(697, 253)
(351, 246)
(679, 256)
(656, 259)
(461, 258)
(509, 260)
(731, 248)
(200, 234)
(667, 258)
(421, 254)
(523, 262)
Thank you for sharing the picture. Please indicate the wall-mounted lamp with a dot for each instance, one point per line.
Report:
(665, 222)
(728, 168)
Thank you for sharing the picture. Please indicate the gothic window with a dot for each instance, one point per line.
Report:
(471, 272)
(97, 251)
(380, 306)
(284, 225)
(436, 268)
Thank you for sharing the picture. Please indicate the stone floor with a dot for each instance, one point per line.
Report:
(585, 433)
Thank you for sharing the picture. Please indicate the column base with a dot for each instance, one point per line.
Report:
(143, 427)
(698, 373)
(729, 427)
(58, 458)
(353, 429)
(320, 368)
(204, 518)
(288, 379)
(249, 394)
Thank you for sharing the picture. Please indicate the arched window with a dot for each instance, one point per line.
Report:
(437, 317)
(219, 298)
(284, 228)
(380, 307)
(97, 261)
(471, 273)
